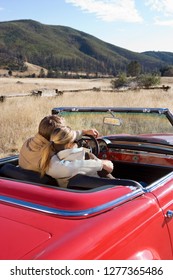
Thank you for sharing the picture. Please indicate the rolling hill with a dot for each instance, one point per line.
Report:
(61, 48)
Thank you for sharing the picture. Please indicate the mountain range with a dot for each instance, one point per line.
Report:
(61, 48)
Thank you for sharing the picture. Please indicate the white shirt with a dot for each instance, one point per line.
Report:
(70, 162)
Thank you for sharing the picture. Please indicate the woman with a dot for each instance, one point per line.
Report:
(63, 160)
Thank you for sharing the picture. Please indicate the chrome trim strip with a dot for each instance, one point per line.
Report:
(159, 183)
(78, 213)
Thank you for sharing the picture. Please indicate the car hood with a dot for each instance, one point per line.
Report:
(163, 139)
(13, 241)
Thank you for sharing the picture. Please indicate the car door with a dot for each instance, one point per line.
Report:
(163, 191)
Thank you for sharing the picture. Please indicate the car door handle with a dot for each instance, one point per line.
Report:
(169, 214)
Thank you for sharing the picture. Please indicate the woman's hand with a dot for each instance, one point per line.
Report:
(108, 165)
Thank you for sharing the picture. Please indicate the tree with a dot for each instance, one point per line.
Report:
(167, 71)
(133, 68)
(10, 73)
(42, 73)
(51, 74)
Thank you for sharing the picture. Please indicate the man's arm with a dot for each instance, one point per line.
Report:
(92, 132)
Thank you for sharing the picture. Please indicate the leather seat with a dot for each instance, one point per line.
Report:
(79, 181)
(15, 172)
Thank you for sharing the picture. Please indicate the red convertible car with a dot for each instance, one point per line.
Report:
(129, 220)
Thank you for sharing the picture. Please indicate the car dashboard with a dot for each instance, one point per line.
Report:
(136, 161)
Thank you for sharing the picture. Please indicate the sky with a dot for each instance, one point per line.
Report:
(136, 25)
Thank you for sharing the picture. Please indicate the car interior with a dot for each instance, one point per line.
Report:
(127, 174)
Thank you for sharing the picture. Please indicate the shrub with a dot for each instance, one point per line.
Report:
(143, 81)
(120, 82)
(148, 80)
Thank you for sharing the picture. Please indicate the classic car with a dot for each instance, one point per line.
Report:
(129, 220)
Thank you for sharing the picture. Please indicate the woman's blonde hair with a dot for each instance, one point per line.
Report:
(59, 138)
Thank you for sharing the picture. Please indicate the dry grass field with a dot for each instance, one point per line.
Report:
(21, 114)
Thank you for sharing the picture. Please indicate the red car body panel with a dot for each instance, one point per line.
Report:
(99, 236)
(18, 238)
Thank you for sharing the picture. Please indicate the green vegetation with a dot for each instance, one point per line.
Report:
(141, 81)
(148, 80)
(167, 71)
(133, 68)
(121, 81)
(63, 49)
(166, 57)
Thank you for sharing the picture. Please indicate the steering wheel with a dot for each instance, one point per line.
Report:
(89, 142)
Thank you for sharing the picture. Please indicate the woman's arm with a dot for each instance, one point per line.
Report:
(67, 169)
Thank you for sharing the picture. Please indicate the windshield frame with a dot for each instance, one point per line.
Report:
(164, 111)
(155, 127)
